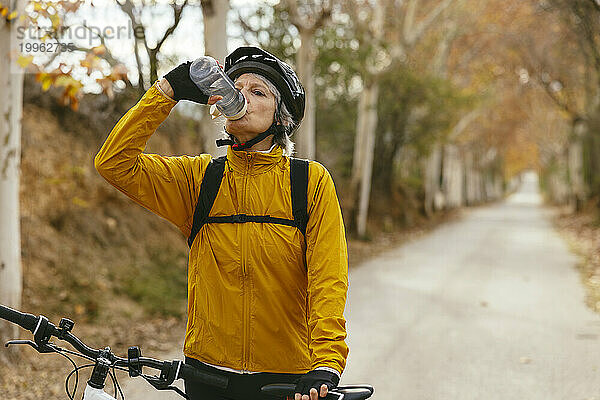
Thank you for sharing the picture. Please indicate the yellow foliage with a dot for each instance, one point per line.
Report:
(24, 61)
(56, 22)
(80, 202)
(99, 50)
(46, 82)
(91, 62)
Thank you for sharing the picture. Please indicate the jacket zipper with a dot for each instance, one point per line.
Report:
(245, 283)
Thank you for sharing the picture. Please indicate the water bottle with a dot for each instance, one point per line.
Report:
(210, 79)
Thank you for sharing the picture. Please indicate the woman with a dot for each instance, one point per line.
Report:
(265, 299)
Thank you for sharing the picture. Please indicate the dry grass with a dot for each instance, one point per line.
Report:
(582, 232)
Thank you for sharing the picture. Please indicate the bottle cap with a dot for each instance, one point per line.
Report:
(239, 114)
(215, 112)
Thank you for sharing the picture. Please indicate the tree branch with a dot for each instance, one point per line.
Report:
(409, 20)
(177, 10)
(563, 105)
(127, 8)
(322, 18)
(420, 29)
(588, 33)
(295, 18)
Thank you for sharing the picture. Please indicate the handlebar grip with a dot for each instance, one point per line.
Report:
(279, 390)
(24, 320)
(192, 374)
(352, 392)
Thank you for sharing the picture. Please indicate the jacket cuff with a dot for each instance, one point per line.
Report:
(162, 92)
(329, 369)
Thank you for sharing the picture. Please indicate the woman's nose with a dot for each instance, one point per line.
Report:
(246, 93)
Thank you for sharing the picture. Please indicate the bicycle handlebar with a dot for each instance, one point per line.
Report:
(353, 392)
(43, 330)
(24, 320)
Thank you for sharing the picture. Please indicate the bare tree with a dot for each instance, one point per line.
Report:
(214, 14)
(11, 103)
(140, 40)
(307, 17)
(389, 25)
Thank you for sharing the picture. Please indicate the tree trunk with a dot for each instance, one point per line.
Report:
(575, 166)
(359, 141)
(11, 104)
(366, 131)
(384, 166)
(556, 181)
(453, 179)
(136, 51)
(305, 65)
(215, 45)
(153, 56)
(431, 184)
(470, 183)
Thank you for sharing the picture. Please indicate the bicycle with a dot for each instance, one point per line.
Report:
(105, 363)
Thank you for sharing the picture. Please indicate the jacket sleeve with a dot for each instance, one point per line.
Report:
(164, 185)
(327, 266)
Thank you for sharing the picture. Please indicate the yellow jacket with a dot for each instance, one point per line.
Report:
(261, 297)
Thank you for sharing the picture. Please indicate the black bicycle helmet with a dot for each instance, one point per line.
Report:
(254, 60)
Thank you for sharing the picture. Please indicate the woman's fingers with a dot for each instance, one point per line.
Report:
(213, 99)
(314, 395)
(324, 391)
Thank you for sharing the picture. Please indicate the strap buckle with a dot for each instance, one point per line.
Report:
(240, 218)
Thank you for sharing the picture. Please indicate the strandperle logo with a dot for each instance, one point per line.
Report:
(83, 33)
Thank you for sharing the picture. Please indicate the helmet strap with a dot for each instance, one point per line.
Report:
(276, 127)
(272, 130)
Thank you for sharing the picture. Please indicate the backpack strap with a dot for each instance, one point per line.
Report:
(212, 182)
(299, 183)
(208, 193)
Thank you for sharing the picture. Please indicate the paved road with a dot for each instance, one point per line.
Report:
(488, 307)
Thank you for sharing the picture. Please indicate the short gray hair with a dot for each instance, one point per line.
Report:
(281, 138)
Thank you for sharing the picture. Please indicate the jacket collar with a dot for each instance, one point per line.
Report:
(253, 162)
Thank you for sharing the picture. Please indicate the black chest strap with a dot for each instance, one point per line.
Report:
(210, 188)
(208, 193)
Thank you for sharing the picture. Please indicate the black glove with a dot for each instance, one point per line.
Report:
(314, 379)
(183, 87)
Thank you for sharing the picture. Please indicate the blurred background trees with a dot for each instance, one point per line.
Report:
(415, 106)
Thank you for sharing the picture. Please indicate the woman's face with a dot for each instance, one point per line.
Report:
(261, 109)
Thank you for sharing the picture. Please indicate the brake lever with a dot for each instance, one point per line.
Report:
(333, 392)
(44, 348)
(160, 384)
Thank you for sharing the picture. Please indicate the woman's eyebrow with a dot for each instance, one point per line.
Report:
(253, 85)
(259, 85)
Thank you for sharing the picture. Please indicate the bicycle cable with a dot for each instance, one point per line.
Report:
(75, 371)
(116, 384)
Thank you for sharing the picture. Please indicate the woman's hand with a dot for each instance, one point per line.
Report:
(182, 85)
(313, 394)
(213, 99)
(307, 384)
(166, 87)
